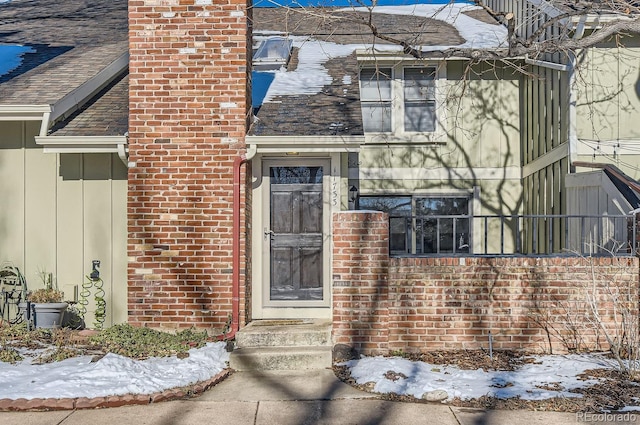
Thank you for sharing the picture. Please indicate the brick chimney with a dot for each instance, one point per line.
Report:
(188, 118)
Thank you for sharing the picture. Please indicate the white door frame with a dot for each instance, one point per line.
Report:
(262, 307)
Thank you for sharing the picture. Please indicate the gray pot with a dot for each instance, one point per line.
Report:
(48, 315)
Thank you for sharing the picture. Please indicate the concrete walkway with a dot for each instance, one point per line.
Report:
(296, 398)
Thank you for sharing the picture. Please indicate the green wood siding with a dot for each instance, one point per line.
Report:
(60, 212)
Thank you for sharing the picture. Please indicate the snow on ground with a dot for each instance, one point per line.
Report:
(546, 377)
(111, 375)
(532, 381)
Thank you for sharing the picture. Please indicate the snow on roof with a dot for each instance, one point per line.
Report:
(479, 35)
(310, 75)
(11, 55)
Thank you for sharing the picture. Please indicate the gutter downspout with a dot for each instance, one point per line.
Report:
(235, 292)
(44, 125)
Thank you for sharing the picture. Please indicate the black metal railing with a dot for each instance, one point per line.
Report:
(513, 235)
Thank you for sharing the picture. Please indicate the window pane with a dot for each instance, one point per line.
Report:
(376, 116)
(394, 205)
(397, 207)
(419, 84)
(462, 235)
(296, 175)
(419, 116)
(375, 84)
(442, 206)
(398, 234)
(426, 236)
(419, 99)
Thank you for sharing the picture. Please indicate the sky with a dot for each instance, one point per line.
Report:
(118, 375)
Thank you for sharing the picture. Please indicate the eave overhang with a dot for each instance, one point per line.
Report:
(68, 104)
(305, 144)
(27, 113)
(23, 112)
(85, 144)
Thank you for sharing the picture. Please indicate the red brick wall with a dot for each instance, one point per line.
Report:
(360, 286)
(419, 304)
(188, 112)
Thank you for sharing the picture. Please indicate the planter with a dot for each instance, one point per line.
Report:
(48, 315)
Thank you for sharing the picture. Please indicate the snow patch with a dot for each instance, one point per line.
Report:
(111, 375)
(546, 377)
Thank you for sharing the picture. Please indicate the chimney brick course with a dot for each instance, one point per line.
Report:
(188, 119)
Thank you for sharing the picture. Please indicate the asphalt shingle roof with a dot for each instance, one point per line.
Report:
(107, 114)
(335, 110)
(70, 42)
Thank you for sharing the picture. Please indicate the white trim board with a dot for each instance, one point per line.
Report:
(442, 173)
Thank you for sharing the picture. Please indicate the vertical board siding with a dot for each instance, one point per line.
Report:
(40, 194)
(60, 212)
(70, 265)
(12, 194)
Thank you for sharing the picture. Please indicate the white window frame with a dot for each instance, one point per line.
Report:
(398, 134)
(373, 94)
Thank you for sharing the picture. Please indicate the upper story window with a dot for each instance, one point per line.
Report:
(419, 99)
(399, 99)
(375, 98)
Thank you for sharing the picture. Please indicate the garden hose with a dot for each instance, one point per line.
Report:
(101, 305)
(83, 300)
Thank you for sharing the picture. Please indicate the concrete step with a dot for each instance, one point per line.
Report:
(280, 358)
(285, 333)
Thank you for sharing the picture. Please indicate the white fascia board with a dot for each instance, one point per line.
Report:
(80, 144)
(393, 58)
(79, 96)
(23, 112)
(302, 144)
